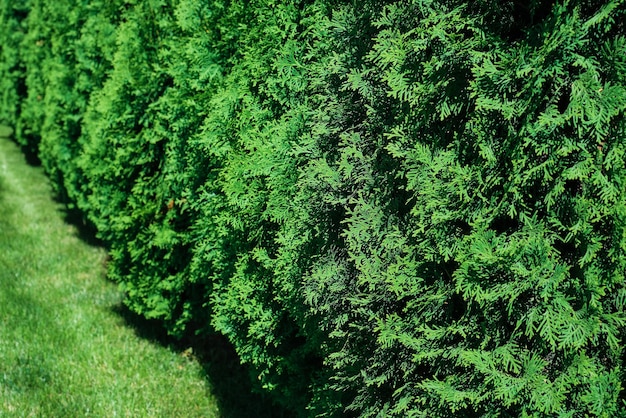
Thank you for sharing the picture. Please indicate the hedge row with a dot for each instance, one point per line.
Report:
(390, 208)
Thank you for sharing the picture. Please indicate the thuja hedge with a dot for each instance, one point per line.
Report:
(390, 208)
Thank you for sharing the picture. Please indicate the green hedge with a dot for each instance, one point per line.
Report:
(390, 208)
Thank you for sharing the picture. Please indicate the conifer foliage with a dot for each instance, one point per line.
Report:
(390, 208)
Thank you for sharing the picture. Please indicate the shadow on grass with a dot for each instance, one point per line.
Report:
(29, 151)
(85, 230)
(229, 380)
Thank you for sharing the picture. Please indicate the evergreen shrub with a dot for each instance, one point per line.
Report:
(389, 208)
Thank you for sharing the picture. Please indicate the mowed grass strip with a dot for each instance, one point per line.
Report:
(64, 351)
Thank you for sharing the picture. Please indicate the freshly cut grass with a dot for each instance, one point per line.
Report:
(64, 349)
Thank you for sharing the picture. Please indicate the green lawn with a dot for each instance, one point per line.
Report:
(65, 350)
